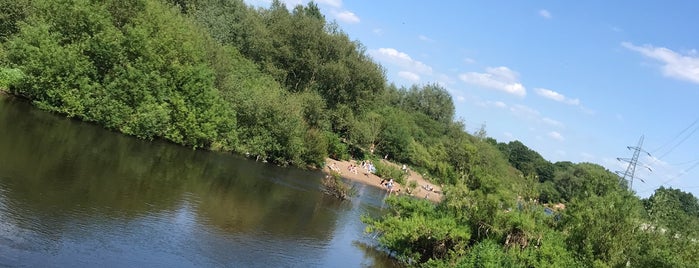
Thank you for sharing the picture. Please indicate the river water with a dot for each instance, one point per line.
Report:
(73, 194)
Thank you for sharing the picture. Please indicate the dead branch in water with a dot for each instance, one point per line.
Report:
(333, 185)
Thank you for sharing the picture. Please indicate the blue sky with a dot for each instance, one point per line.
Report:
(575, 81)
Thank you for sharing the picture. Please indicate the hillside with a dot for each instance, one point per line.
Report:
(289, 87)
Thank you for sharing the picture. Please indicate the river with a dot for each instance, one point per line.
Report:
(73, 194)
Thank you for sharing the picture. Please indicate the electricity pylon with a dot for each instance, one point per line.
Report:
(633, 161)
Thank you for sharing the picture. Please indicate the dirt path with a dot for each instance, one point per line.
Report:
(368, 178)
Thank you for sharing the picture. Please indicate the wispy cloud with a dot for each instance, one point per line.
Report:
(508, 136)
(410, 76)
(500, 104)
(587, 156)
(675, 65)
(425, 38)
(332, 3)
(545, 13)
(400, 59)
(332, 7)
(469, 61)
(444, 79)
(496, 104)
(377, 31)
(498, 78)
(552, 122)
(525, 111)
(556, 136)
(346, 16)
(553, 95)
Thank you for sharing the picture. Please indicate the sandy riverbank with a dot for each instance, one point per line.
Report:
(368, 178)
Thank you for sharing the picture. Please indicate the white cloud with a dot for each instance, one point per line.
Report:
(509, 136)
(346, 16)
(675, 65)
(524, 111)
(469, 61)
(333, 7)
(587, 156)
(496, 104)
(545, 13)
(499, 78)
(552, 122)
(556, 136)
(377, 31)
(400, 59)
(332, 3)
(460, 98)
(412, 77)
(614, 164)
(425, 38)
(500, 104)
(553, 95)
(444, 79)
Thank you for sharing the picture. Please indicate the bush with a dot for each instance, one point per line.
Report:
(336, 148)
(9, 76)
(388, 171)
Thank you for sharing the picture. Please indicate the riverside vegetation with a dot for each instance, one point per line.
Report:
(289, 87)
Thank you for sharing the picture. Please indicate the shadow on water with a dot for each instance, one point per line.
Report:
(74, 194)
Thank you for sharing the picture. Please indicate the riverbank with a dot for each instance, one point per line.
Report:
(368, 178)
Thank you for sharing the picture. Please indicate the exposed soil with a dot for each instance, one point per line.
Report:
(364, 176)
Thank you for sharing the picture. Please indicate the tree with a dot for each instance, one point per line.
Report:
(11, 13)
(601, 228)
(431, 100)
(674, 209)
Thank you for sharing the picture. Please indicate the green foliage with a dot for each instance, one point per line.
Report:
(396, 135)
(12, 12)
(298, 48)
(148, 78)
(9, 77)
(527, 160)
(270, 124)
(674, 209)
(333, 185)
(415, 232)
(486, 254)
(551, 251)
(664, 249)
(336, 149)
(601, 228)
(431, 100)
(385, 170)
(585, 180)
(288, 87)
(315, 148)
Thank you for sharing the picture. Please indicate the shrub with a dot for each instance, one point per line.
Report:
(388, 171)
(336, 148)
(9, 76)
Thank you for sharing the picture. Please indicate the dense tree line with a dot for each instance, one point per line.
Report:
(287, 86)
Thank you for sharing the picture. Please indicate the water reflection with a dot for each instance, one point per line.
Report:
(74, 194)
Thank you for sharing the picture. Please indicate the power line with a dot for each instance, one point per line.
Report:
(677, 136)
(679, 143)
(682, 173)
(684, 163)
